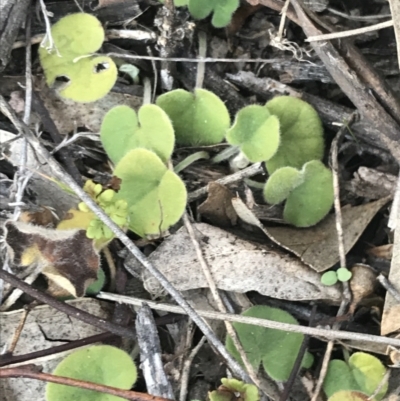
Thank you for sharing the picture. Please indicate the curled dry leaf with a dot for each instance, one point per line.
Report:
(218, 206)
(362, 283)
(317, 246)
(51, 249)
(236, 265)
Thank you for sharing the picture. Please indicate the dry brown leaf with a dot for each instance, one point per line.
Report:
(317, 246)
(68, 115)
(236, 265)
(383, 251)
(218, 206)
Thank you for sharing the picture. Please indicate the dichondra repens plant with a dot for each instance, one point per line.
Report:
(102, 364)
(76, 38)
(275, 350)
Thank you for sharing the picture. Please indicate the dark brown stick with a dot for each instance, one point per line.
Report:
(29, 372)
(66, 308)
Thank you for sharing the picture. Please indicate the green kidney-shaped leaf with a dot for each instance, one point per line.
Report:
(275, 349)
(301, 133)
(339, 378)
(226, 392)
(281, 183)
(76, 37)
(363, 373)
(368, 371)
(256, 132)
(343, 274)
(223, 10)
(156, 196)
(311, 201)
(122, 130)
(329, 278)
(198, 119)
(101, 364)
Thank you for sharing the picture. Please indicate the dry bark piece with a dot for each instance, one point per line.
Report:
(44, 328)
(218, 208)
(317, 246)
(236, 265)
(12, 15)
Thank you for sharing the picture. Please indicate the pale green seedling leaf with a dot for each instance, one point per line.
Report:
(256, 132)
(275, 349)
(343, 274)
(339, 378)
(76, 37)
(301, 133)
(222, 9)
(97, 286)
(368, 371)
(281, 183)
(363, 373)
(156, 196)
(230, 387)
(123, 130)
(348, 396)
(198, 119)
(311, 201)
(329, 278)
(102, 364)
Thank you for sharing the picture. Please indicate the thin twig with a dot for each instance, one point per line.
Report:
(184, 382)
(30, 357)
(389, 287)
(111, 266)
(254, 169)
(201, 67)
(221, 306)
(70, 310)
(351, 32)
(18, 331)
(131, 247)
(283, 20)
(28, 371)
(358, 17)
(312, 331)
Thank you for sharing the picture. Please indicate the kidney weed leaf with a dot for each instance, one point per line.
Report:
(90, 77)
(363, 372)
(199, 118)
(155, 195)
(308, 194)
(102, 364)
(301, 138)
(329, 278)
(123, 130)
(256, 131)
(234, 390)
(275, 349)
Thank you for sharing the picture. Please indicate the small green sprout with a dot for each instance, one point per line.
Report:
(102, 364)
(76, 38)
(156, 196)
(232, 390)
(363, 372)
(198, 119)
(309, 196)
(332, 277)
(123, 130)
(222, 10)
(301, 137)
(275, 349)
(256, 131)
